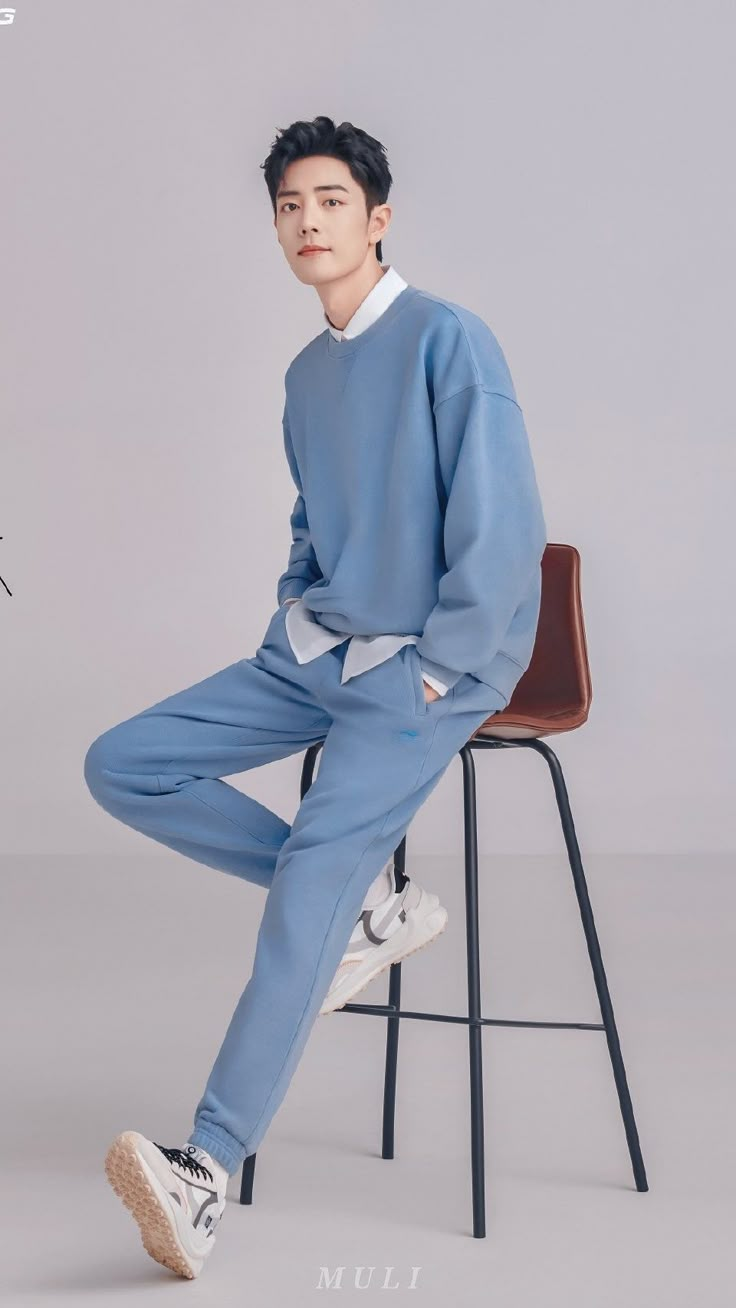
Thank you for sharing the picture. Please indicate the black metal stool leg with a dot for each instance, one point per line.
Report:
(475, 1034)
(392, 1049)
(392, 1038)
(601, 985)
(246, 1179)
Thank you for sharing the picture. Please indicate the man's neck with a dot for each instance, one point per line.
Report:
(342, 299)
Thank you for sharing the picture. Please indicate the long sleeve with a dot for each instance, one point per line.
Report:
(494, 530)
(302, 568)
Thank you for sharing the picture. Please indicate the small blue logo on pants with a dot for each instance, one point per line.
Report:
(409, 734)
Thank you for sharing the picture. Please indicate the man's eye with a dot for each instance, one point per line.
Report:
(330, 200)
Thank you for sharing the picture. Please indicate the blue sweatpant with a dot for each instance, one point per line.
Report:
(385, 749)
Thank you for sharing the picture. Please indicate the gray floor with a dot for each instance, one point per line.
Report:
(97, 954)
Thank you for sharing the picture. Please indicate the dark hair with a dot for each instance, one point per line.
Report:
(363, 154)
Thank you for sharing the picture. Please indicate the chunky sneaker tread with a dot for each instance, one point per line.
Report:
(173, 1197)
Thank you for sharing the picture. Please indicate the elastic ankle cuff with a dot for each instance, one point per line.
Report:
(220, 1145)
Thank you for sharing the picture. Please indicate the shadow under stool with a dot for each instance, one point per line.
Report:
(552, 697)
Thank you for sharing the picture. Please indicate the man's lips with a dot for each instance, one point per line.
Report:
(314, 250)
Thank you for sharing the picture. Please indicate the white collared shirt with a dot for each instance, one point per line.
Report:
(307, 637)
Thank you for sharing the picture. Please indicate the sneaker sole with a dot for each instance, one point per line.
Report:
(125, 1172)
(434, 923)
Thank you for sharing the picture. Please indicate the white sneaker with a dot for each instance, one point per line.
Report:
(403, 922)
(173, 1196)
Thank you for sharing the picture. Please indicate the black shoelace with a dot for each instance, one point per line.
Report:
(186, 1161)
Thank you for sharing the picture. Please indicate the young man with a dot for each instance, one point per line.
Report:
(406, 615)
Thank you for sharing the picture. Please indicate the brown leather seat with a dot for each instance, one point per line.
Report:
(555, 692)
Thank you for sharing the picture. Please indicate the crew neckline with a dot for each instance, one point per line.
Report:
(338, 349)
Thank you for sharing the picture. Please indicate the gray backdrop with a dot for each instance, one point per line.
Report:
(562, 169)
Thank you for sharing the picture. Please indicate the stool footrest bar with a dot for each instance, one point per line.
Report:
(388, 1010)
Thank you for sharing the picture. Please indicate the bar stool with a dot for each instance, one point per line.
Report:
(552, 697)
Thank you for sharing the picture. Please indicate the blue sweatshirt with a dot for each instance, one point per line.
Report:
(307, 637)
(418, 510)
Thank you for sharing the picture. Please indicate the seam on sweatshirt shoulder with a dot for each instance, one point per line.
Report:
(449, 309)
(476, 386)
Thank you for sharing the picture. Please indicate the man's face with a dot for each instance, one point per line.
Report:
(326, 208)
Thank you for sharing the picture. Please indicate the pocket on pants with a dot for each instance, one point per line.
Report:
(422, 706)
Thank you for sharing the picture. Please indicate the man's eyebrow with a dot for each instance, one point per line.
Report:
(337, 187)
